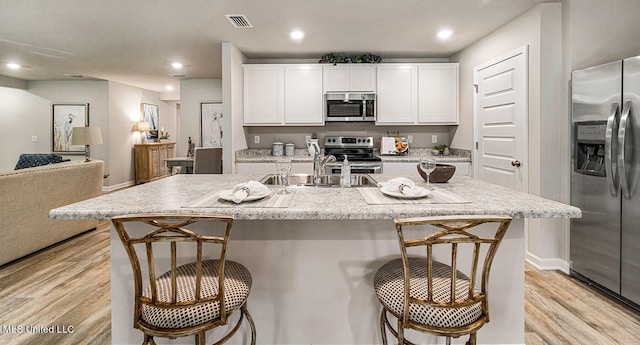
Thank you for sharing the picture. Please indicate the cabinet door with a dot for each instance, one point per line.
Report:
(263, 94)
(303, 95)
(362, 78)
(397, 95)
(438, 93)
(335, 78)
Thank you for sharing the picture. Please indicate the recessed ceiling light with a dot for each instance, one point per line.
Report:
(176, 65)
(12, 65)
(168, 88)
(445, 34)
(296, 35)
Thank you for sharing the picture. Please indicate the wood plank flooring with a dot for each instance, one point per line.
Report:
(67, 286)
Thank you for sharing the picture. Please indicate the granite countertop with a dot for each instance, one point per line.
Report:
(172, 194)
(302, 155)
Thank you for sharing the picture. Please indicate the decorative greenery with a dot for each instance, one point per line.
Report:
(440, 147)
(165, 136)
(336, 59)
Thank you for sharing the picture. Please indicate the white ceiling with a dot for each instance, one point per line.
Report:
(134, 42)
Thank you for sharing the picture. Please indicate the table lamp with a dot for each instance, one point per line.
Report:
(144, 127)
(86, 136)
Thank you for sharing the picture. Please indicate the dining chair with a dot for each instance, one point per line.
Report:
(207, 160)
(435, 295)
(183, 283)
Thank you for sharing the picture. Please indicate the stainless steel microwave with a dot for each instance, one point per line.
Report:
(348, 107)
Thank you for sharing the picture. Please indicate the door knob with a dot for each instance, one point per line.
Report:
(516, 164)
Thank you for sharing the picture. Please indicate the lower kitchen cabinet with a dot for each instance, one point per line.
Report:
(462, 168)
(270, 168)
(150, 160)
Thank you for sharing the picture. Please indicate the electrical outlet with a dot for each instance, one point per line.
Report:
(307, 138)
(34, 138)
(410, 139)
(434, 139)
(256, 139)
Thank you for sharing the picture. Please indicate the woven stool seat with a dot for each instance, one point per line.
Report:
(237, 287)
(389, 286)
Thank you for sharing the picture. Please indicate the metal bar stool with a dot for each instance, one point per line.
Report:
(433, 296)
(194, 296)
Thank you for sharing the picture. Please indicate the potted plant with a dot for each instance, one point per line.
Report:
(442, 150)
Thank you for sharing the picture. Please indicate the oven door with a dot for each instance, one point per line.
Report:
(356, 167)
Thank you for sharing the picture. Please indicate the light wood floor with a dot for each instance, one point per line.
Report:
(68, 286)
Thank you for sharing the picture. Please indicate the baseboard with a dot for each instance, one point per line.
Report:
(548, 264)
(107, 189)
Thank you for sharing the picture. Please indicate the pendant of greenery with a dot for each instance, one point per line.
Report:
(336, 59)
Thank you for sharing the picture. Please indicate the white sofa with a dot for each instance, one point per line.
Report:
(27, 196)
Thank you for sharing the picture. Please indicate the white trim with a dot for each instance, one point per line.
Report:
(548, 264)
(106, 189)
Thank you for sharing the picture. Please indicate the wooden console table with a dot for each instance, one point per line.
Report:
(150, 159)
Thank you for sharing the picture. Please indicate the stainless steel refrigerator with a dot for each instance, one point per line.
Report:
(605, 177)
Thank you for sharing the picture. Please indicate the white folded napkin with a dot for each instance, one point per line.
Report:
(400, 184)
(242, 190)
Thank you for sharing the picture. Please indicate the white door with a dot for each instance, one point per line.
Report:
(500, 117)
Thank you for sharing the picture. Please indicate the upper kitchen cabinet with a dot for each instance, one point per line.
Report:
(397, 95)
(303, 95)
(438, 93)
(283, 95)
(345, 77)
(417, 94)
(263, 94)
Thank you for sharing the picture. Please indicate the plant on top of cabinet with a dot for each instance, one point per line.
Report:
(364, 58)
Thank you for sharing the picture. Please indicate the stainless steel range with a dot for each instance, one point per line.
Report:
(359, 152)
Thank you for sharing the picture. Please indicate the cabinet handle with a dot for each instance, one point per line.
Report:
(516, 164)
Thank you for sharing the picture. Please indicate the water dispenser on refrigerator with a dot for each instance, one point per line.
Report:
(590, 148)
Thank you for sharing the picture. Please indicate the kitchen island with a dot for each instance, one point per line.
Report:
(313, 261)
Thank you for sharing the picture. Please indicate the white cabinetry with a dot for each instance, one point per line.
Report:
(283, 95)
(417, 94)
(349, 78)
(263, 94)
(397, 95)
(303, 95)
(388, 167)
(270, 168)
(438, 93)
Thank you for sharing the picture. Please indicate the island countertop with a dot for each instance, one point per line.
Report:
(173, 194)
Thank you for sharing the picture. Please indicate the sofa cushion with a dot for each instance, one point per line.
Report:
(29, 160)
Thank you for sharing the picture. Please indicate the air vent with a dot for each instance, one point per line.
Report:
(239, 21)
(74, 75)
(177, 75)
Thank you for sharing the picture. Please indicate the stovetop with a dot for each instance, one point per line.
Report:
(356, 148)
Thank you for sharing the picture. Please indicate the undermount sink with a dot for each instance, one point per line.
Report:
(306, 180)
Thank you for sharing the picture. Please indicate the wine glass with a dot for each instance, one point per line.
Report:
(427, 165)
(282, 169)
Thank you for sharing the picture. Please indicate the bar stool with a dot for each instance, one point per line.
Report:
(436, 297)
(190, 298)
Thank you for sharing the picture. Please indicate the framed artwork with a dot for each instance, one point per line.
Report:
(65, 117)
(211, 124)
(150, 113)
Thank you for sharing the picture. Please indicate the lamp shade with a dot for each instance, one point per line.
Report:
(144, 126)
(86, 136)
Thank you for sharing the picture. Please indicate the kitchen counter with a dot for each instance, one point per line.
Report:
(313, 262)
(170, 195)
(302, 155)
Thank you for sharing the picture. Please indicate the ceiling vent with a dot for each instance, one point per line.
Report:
(239, 21)
(177, 75)
(74, 75)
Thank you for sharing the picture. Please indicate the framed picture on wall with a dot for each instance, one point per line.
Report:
(65, 117)
(211, 124)
(150, 113)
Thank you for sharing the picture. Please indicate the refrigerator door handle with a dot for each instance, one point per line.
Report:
(609, 150)
(622, 134)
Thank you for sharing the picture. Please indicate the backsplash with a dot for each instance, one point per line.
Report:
(422, 135)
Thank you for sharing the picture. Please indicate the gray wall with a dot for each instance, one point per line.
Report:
(192, 93)
(112, 106)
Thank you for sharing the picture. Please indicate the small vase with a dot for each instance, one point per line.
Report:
(446, 152)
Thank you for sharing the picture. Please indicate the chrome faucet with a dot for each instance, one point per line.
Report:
(318, 166)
